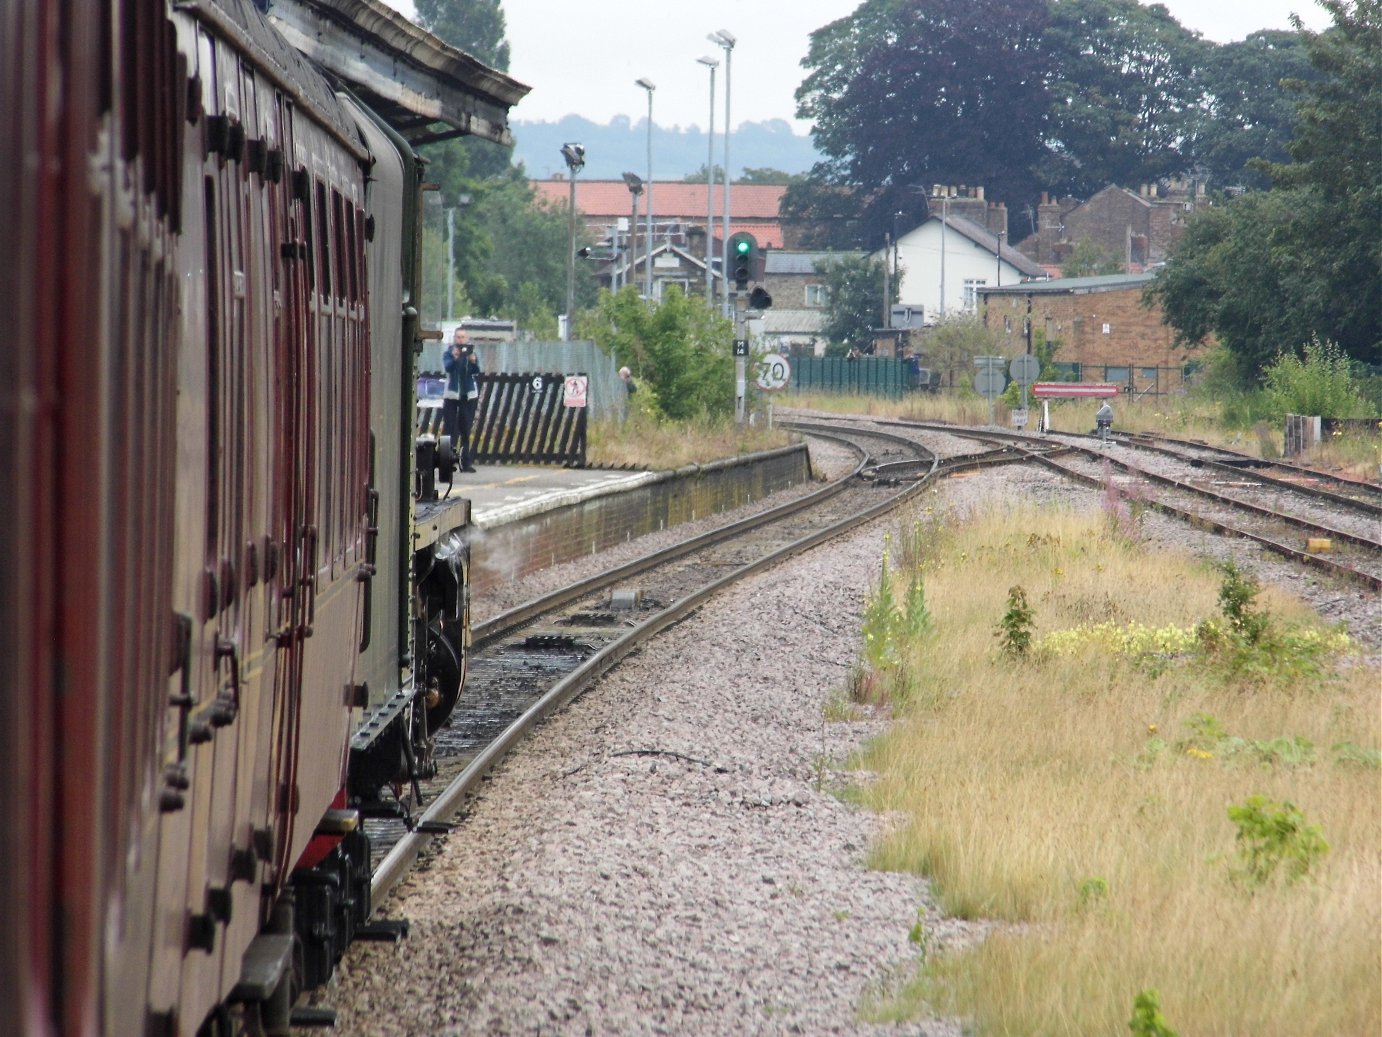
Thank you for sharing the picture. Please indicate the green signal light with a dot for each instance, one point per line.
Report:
(742, 247)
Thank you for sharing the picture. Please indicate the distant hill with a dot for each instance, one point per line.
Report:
(622, 146)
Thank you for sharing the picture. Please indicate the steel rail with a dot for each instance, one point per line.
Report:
(1306, 558)
(397, 861)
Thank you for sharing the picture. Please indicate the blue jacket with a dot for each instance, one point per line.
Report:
(461, 373)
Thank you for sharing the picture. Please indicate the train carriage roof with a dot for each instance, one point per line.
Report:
(425, 89)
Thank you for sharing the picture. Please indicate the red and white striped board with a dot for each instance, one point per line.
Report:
(1075, 389)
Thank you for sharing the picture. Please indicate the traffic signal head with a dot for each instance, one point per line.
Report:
(743, 249)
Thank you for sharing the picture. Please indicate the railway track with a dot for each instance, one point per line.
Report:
(1318, 520)
(531, 660)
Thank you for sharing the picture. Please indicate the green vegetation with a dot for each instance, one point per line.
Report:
(1271, 835)
(1311, 242)
(854, 307)
(1183, 873)
(680, 351)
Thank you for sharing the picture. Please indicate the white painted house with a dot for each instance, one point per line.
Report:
(944, 262)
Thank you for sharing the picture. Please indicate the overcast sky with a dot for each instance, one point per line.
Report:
(583, 58)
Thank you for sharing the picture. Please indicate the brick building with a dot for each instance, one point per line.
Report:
(679, 210)
(1136, 230)
(1102, 330)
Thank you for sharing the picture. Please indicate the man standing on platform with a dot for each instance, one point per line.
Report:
(462, 395)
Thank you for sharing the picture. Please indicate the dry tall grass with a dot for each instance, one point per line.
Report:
(643, 442)
(1082, 797)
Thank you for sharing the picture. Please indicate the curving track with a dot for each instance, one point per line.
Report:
(531, 660)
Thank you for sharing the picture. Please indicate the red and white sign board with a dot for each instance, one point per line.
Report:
(573, 392)
(1075, 389)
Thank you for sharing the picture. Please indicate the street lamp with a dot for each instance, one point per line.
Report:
(574, 154)
(725, 39)
(635, 186)
(647, 84)
(711, 64)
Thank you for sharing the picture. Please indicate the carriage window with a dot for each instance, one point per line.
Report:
(353, 255)
(342, 256)
(323, 241)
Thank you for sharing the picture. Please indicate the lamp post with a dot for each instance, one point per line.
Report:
(945, 219)
(998, 261)
(574, 154)
(711, 64)
(725, 39)
(635, 186)
(647, 84)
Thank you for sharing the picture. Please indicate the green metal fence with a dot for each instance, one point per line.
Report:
(865, 376)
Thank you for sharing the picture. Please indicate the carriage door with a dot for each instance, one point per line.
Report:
(291, 507)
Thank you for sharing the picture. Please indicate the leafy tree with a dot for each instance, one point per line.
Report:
(856, 302)
(699, 176)
(681, 347)
(766, 175)
(1248, 114)
(519, 242)
(830, 216)
(1088, 259)
(510, 254)
(435, 271)
(907, 92)
(950, 347)
(474, 26)
(1337, 154)
(1269, 272)
(1238, 274)
(1125, 93)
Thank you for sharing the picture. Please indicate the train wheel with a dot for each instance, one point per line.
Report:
(443, 679)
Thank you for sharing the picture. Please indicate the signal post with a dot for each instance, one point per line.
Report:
(744, 261)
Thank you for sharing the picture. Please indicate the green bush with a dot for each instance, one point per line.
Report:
(1271, 835)
(1321, 383)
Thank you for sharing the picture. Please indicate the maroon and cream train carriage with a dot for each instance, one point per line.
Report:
(208, 582)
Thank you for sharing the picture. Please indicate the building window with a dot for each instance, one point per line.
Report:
(972, 286)
(818, 295)
(662, 283)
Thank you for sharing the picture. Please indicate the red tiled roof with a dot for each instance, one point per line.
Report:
(768, 235)
(671, 200)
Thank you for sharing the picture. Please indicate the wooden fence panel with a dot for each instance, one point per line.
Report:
(522, 419)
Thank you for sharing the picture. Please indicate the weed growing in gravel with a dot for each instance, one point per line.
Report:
(1015, 628)
(1146, 1018)
(889, 626)
(1082, 794)
(1274, 836)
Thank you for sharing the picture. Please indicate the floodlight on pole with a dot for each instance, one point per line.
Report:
(574, 154)
(712, 64)
(725, 39)
(647, 84)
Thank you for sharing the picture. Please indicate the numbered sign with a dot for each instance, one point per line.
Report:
(573, 392)
(774, 372)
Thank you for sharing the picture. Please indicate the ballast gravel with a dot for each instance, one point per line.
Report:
(669, 854)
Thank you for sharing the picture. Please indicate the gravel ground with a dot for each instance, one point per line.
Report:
(667, 855)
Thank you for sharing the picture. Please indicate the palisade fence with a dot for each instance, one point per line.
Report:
(888, 376)
(865, 375)
(522, 416)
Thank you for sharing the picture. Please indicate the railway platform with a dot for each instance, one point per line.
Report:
(522, 518)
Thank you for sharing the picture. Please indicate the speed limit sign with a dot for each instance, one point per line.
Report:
(774, 372)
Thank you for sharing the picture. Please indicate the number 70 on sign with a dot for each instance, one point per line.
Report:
(774, 372)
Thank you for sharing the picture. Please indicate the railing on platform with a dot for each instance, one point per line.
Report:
(521, 419)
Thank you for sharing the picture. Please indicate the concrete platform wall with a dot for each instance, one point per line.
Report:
(515, 549)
